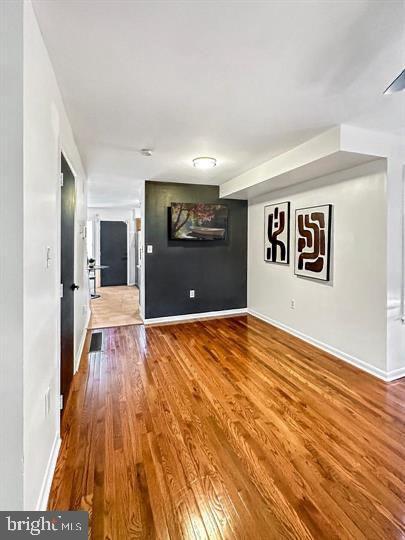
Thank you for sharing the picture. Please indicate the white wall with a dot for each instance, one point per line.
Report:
(347, 315)
(11, 255)
(116, 214)
(46, 132)
(396, 265)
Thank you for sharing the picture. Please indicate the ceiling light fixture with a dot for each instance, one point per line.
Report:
(397, 85)
(204, 162)
(146, 152)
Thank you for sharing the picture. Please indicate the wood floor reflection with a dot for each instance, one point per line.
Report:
(230, 428)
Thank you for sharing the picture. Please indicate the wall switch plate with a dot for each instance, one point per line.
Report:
(149, 249)
(48, 401)
(292, 304)
(192, 293)
(48, 256)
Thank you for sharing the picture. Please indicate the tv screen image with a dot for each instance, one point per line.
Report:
(198, 221)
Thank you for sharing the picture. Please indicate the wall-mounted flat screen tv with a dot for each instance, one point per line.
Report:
(198, 221)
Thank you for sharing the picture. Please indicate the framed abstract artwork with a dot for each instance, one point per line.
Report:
(277, 233)
(312, 241)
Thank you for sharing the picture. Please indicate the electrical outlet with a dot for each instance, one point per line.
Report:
(192, 293)
(292, 303)
(149, 249)
(48, 256)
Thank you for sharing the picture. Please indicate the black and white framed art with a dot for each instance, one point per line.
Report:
(312, 241)
(277, 233)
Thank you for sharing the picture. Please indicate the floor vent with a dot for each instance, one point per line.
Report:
(96, 342)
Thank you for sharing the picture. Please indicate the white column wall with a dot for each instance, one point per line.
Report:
(11, 256)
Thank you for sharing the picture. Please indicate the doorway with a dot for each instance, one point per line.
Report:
(114, 253)
(68, 287)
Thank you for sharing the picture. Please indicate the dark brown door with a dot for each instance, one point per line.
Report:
(113, 253)
(67, 277)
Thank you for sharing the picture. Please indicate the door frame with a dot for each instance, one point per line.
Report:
(62, 150)
(142, 261)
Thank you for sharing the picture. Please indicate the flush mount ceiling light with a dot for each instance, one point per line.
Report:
(204, 162)
(397, 85)
(146, 152)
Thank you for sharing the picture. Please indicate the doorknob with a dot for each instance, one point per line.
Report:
(74, 286)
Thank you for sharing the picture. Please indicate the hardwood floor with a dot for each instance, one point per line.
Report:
(117, 306)
(230, 428)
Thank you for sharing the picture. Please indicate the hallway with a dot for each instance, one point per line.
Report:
(229, 428)
(117, 306)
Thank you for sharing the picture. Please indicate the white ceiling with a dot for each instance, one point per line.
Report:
(240, 81)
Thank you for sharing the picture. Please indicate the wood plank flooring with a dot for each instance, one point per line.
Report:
(230, 428)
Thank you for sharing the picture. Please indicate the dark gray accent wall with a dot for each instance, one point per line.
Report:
(216, 270)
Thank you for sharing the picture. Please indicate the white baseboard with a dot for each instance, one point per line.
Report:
(377, 372)
(395, 374)
(196, 316)
(48, 477)
(82, 341)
